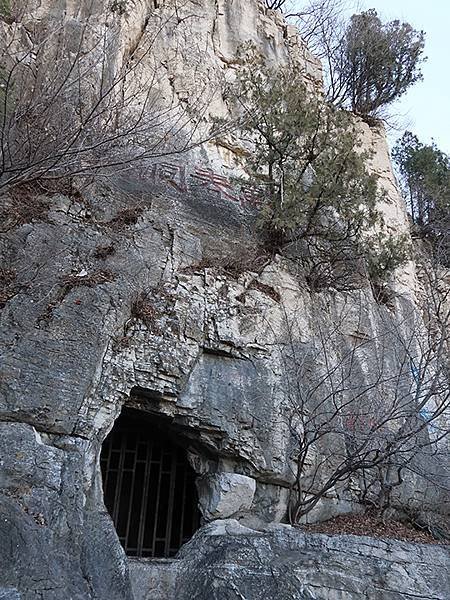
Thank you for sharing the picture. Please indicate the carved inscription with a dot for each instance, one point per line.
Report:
(184, 180)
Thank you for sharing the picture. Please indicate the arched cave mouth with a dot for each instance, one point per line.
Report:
(149, 486)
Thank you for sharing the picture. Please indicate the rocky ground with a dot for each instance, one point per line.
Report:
(226, 561)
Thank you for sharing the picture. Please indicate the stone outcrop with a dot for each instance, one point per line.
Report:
(147, 289)
(227, 560)
(223, 495)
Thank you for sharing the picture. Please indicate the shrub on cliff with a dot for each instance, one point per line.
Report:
(376, 62)
(309, 159)
(307, 155)
(368, 400)
(368, 64)
(425, 179)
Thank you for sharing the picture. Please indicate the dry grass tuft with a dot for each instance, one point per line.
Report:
(71, 282)
(126, 217)
(8, 289)
(143, 310)
(372, 526)
(102, 252)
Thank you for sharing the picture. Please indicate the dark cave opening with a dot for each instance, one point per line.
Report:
(149, 486)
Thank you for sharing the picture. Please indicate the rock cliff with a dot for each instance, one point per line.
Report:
(147, 289)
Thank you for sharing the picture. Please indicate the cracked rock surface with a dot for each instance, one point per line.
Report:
(226, 560)
(127, 293)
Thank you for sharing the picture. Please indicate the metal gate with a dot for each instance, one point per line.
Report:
(149, 489)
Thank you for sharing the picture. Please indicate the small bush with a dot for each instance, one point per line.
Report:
(5, 9)
(154, 307)
(126, 217)
(24, 204)
(379, 61)
(143, 310)
(102, 252)
(90, 280)
(386, 253)
(425, 180)
(29, 202)
(235, 262)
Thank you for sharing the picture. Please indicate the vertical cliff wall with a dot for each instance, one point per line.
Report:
(146, 288)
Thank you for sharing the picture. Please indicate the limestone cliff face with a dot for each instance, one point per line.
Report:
(180, 238)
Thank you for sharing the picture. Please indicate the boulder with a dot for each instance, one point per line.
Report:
(223, 495)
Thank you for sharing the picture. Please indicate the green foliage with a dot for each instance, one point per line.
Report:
(382, 60)
(373, 63)
(425, 177)
(384, 254)
(5, 8)
(119, 7)
(308, 157)
(425, 173)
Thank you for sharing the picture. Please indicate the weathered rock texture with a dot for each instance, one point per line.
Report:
(223, 495)
(226, 560)
(75, 349)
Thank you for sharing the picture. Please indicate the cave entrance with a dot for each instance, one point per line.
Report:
(149, 486)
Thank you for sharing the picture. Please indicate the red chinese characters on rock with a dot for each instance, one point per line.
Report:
(175, 176)
(214, 183)
(251, 195)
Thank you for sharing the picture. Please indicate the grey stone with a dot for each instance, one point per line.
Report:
(153, 579)
(227, 561)
(223, 495)
(9, 594)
